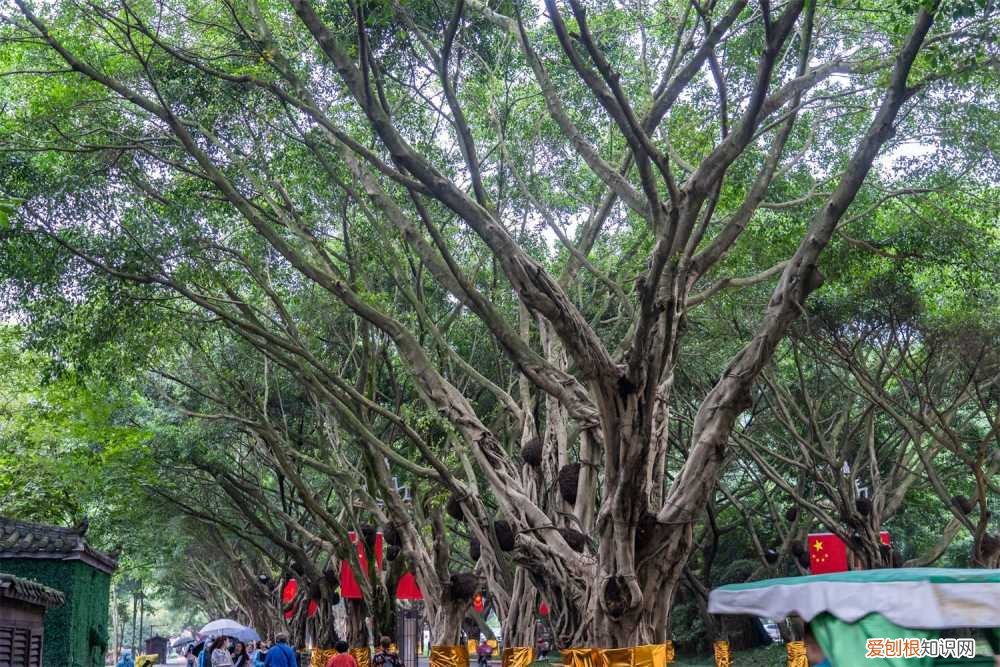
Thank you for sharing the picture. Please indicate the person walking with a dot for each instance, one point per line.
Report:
(125, 660)
(220, 653)
(205, 655)
(341, 658)
(385, 657)
(260, 653)
(543, 648)
(281, 654)
(484, 651)
(240, 656)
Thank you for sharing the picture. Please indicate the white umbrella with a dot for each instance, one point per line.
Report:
(222, 627)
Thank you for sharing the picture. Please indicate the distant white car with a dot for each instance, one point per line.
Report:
(772, 629)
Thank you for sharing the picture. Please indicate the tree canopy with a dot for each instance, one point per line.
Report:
(596, 303)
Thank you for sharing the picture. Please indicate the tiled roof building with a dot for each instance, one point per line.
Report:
(20, 539)
(43, 558)
(23, 605)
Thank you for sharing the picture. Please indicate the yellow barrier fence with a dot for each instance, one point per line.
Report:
(517, 656)
(449, 656)
(797, 654)
(363, 655)
(321, 656)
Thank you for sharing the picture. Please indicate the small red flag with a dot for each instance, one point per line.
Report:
(543, 609)
(477, 603)
(827, 553)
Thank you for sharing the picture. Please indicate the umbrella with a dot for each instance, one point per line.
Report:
(246, 635)
(223, 626)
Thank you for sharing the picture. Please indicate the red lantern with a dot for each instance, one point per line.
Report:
(290, 590)
(477, 603)
(312, 609)
(543, 609)
(288, 594)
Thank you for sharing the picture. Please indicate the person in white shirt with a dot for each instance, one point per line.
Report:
(220, 653)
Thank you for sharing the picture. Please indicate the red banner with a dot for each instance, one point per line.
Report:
(407, 588)
(349, 587)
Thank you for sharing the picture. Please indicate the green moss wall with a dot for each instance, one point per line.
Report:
(76, 634)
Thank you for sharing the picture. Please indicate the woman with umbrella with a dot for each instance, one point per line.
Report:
(220, 653)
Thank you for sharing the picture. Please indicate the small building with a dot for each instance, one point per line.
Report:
(158, 646)
(76, 634)
(22, 609)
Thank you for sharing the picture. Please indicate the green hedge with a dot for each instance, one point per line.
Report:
(76, 634)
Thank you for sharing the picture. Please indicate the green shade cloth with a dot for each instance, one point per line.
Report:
(846, 643)
(929, 598)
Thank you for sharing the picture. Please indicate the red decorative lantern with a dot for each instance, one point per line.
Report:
(543, 609)
(288, 593)
(477, 603)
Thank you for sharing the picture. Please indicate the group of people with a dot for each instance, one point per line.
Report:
(221, 652)
(384, 656)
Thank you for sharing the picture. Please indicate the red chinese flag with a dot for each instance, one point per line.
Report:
(477, 603)
(827, 553)
(884, 536)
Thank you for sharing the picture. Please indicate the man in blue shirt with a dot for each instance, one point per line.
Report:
(281, 654)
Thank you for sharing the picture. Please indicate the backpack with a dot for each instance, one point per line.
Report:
(386, 659)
